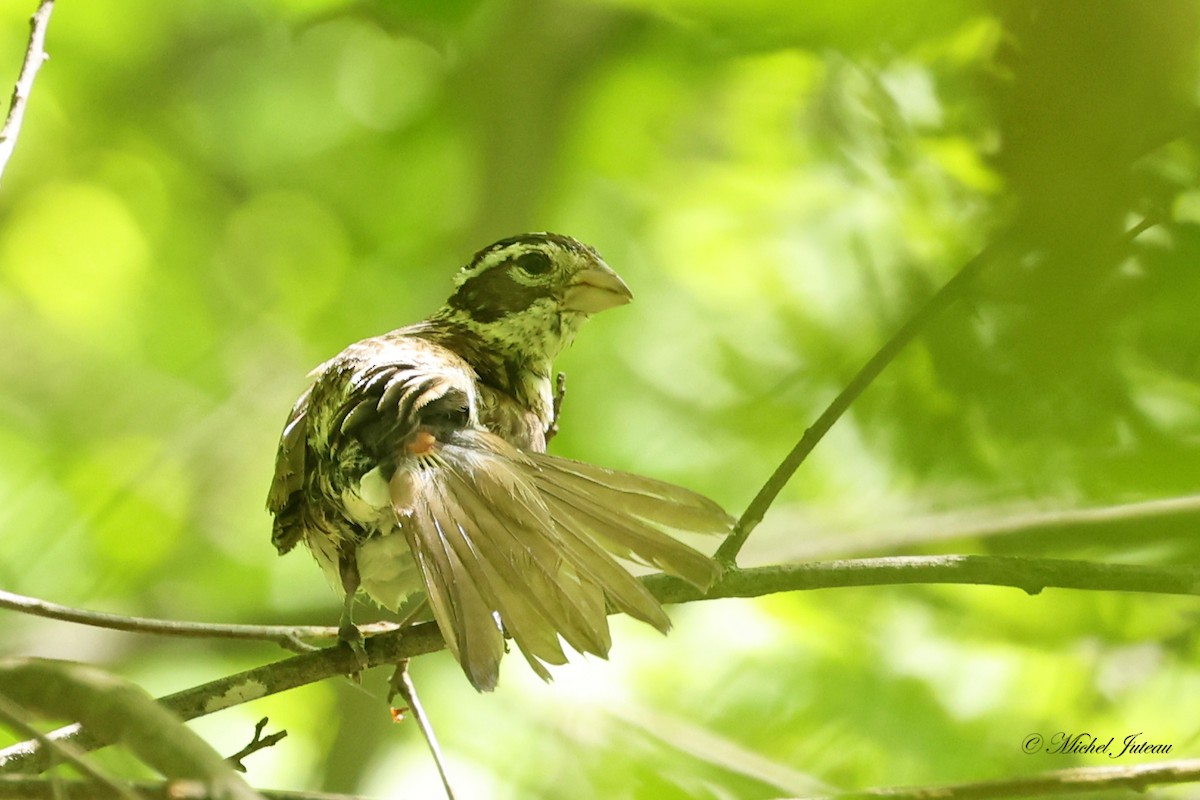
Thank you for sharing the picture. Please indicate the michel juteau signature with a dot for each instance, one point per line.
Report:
(1063, 742)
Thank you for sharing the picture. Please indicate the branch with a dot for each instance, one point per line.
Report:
(1031, 575)
(118, 711)
(401, 684)
(1062, 781)
(728, 551)
(14, 716)
(233, 690)
(1066, 781)
(288, 636)
(35, 56)
(18, 788)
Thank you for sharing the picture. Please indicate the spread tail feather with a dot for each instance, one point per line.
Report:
(529, 540)
(627, 513)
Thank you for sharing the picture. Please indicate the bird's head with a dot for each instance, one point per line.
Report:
(527, 295)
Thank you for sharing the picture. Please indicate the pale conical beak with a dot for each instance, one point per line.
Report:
(596, 289)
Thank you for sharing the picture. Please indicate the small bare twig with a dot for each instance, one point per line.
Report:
(35, 56)
(259, 742)
(401, 684)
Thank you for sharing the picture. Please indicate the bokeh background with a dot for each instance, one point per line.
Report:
(209, 198)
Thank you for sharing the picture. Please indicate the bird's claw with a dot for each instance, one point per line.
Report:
(352, 637)
(396, 684)
(560, 394)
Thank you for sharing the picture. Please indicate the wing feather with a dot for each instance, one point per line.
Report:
(655, 501)
(529, 557)
(471, 631)
(285, 498)
(512, 493)
(628, 536)
(493, 574)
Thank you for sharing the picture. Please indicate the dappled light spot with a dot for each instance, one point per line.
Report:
(79, 257)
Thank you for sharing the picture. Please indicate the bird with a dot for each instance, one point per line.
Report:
(414, 468)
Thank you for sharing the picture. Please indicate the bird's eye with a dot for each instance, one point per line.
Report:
(534, 262)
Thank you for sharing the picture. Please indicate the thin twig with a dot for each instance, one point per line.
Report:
(728, 551)
(401, 684)
(954, 288)
(35, 56)
(1063, 781)
(288, 636)
(259, 742)
(1031, 575)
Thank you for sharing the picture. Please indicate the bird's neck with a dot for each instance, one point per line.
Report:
(514, 362)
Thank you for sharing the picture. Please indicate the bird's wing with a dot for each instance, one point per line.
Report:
(383, 389)
(283, 500)
(355, 416)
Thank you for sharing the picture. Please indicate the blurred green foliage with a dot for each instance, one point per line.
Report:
(209, 198)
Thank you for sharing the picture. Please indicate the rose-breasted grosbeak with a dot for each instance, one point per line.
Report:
(415, 463)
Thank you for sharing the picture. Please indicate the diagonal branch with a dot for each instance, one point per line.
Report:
(401, 684)
(119, 711)
(1031, 575)
(233, 690)
(14, 716)
(728, 551)
(1058, 782)
(953, 289)
(35, 56)
(1073, 781)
